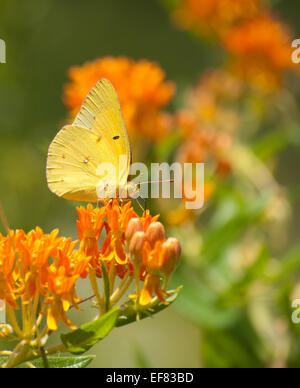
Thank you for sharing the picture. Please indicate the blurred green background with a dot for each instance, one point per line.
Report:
(44, 39)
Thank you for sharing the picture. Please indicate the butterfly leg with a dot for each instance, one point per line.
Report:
(138, 202)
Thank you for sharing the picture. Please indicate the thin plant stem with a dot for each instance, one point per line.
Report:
(121, 294)
(137, 279)
(112, 277)
(44, 357)
(40, 317)
(31, 356)
(30, 365)
(10, 313)
(18, 358)
(6, 353)
(165, 284)
(35, 307)
(123, 281)
(94, 284)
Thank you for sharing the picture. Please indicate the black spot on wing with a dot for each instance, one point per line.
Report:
(116, 137)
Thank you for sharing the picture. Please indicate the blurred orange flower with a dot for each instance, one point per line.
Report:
(207, 123)
(141, 87)
(258, 44)
(205, 145)
(211, 106)
(214, 16)
(261, 50)
(207, 127)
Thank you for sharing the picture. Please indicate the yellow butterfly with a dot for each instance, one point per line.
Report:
(81, 154)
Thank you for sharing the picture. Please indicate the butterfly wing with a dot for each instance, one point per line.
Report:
(101, 113)
(97, 137)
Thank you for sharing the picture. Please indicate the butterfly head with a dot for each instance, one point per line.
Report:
(133, 190)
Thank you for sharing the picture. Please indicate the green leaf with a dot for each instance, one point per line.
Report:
(239, 289)
(88, 335)
(229, 232)
(271, 144)
(199, 303)
(290, 263)
(63, 362)
(131, 313)
(238, 346)
(57, 362)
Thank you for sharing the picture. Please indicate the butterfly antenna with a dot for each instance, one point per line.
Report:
(167, 181)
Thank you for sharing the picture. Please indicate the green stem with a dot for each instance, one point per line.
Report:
(18, 358)
(44, 357)
(94, 284)
(124, 280)
(31, 356)
(121, 294)
(10, 313)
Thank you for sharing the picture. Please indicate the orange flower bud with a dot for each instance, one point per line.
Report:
(136, 248)
(135, 225)
(156, 232)
(171, 252)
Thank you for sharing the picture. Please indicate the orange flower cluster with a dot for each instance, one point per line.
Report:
(131, 246)
(261, 49)
(214, 16)
(38, 267)
(141, 87)
(258, 44)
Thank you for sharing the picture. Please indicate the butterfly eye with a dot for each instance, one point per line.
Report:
(116, 138)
